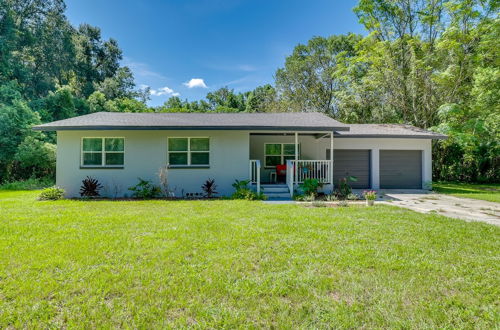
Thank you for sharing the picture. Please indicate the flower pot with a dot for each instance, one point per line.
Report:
(370, 202)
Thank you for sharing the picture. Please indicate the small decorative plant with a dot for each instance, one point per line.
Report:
(244, 192)
(90, 187)
(51, 194)
(243, 184)
(145, 189)
(209, 188)
(370, 196)
(353, 197)
(344, 188)
(331, 198)
(310, 187)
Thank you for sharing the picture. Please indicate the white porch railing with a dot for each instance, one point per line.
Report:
(299, 170)
(254, 173)
(312, 169)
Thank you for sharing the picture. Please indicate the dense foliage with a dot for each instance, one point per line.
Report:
(50, 70)
(432, 64)
(429, 63)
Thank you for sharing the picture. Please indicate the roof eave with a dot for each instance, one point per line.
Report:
(184, 128)
(400, 136)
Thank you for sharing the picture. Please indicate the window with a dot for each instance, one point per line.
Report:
(278, 153)
(103, 152)
(189, 151)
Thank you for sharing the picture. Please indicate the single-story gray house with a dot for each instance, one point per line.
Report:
(275, 151)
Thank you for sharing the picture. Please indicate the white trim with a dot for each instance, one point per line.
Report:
(189, 152)
(103, 152)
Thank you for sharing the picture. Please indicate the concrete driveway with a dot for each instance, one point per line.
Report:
(450, 206)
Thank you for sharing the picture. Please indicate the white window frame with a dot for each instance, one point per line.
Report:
(282, 155)
(189, 152)
(103, 152)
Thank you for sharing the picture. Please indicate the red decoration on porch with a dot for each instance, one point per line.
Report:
(281, 169)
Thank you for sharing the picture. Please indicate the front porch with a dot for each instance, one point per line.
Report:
(279, 161)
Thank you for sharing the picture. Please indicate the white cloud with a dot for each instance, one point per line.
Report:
(161, 91)
(195, 82)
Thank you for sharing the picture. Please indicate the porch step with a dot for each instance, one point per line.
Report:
(276, 191)
(274, 188)
(277, 195)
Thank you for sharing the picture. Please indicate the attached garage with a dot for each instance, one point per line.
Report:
(352, 163)
(401, 169)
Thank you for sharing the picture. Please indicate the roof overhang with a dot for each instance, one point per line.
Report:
(389, 136)
(186, 128)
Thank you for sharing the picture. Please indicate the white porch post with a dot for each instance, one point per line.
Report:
(296, 157)
(331, 158)
(375, 168)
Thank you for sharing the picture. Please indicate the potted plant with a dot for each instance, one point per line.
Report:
(370, 196)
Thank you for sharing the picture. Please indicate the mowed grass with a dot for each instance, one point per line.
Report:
(487, 192)
(150, 264)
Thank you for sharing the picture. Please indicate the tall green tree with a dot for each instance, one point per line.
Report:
(308, 81)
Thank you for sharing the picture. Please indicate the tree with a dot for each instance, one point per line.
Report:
(262, 99)
(96, 59)
(225, 98)
(16, 120)
(121, 85)
(308, 81)
(36, 157)
(50, 70)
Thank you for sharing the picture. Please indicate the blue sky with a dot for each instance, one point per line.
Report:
(191, 47)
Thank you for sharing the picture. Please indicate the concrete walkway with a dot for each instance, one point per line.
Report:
(450, 206)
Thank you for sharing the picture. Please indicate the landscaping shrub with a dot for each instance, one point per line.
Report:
(244, 192)
(344, 189)
(52, 194)
(90, 187)
(145, 189)
(331, 198)
(310, 187)
(352, 197)
(209, 188)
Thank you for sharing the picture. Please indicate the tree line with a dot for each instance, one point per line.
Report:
(429, 63)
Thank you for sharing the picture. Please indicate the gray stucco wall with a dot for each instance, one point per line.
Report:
(230, 151)
(145, 153)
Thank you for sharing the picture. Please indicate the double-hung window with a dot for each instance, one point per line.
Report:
(103, 152)
(189, 151)
(278, 153)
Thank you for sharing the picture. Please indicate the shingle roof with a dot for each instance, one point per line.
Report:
(389, 130)
(298, 121)
(302, 121)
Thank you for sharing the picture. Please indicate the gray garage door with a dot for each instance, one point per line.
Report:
(352, 163)
(401, 169)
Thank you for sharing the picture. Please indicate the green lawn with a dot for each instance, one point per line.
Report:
(150, 264)
(487, 192)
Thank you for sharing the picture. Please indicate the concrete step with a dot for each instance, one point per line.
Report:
(273, 189)
(275, 195)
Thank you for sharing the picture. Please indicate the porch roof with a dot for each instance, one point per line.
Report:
(299, 121)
